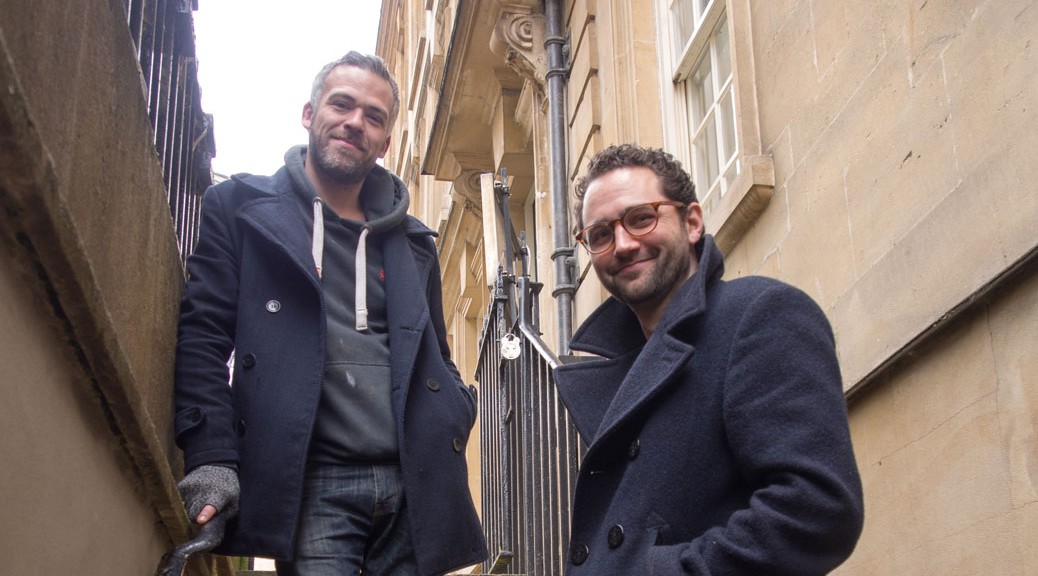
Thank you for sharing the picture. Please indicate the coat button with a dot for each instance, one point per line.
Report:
(273, 306)
(248, 360)
(578, 555)
(616, 536)
(432, 384)
(196, 416)
(458, 444)
(240, 427)
(634, 449)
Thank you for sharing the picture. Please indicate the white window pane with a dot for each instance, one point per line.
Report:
(724, 53)
(729, 176)
(701, 92)
(726, 118)
(705, 150)
(699, 150)
(684, 23)
(713, 164)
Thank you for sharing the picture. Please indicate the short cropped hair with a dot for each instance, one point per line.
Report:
(676, 182)
(369, 62)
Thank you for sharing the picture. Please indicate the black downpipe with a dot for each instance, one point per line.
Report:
(563, 255)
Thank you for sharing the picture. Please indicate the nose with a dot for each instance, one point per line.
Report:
(354, 118)
(623, 242)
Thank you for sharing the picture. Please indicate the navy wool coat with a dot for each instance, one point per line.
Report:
(253, 288)
(721, 445)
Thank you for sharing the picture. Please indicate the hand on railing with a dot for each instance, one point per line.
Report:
(211, 534)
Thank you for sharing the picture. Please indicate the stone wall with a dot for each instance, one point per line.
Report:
(89, 285)
(905, 204)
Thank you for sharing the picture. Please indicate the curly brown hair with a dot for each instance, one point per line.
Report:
(677, 184)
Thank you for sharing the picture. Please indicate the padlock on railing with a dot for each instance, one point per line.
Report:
(510, 348)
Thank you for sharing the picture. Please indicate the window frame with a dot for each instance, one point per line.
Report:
(730, 209)
(722, 168)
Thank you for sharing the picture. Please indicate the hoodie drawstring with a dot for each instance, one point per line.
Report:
(361, 258)
(317, 240)
(361, 302)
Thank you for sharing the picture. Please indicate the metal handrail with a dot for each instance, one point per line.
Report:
(529, 447)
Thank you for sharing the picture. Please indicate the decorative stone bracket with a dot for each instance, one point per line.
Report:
(519, 39)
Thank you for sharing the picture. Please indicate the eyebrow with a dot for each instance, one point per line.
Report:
(349, 97)
(614, 218)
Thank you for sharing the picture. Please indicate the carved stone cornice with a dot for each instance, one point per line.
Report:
(467, 185)
(520, 6)
(518, 37)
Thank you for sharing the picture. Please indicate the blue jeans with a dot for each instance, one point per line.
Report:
(353, 522)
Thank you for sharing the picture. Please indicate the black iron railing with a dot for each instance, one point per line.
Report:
(529, 448)
(163, 35)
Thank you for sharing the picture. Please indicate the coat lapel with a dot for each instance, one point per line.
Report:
(587, 387)
(275, 217)
(651, 372)
(613, 332)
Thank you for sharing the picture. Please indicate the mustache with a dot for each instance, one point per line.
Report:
(351, 137)
(621, 263)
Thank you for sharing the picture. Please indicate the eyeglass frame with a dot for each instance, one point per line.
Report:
(611, 224)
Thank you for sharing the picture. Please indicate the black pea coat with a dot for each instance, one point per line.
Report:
(253, 288)
(721, 445)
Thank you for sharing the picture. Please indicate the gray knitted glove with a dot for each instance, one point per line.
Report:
(210, 484)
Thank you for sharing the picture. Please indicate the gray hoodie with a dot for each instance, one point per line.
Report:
(355, 416)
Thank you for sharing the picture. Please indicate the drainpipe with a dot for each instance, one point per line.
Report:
(563, 255)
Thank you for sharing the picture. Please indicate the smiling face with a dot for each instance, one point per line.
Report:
(349, 129)
(645, 271)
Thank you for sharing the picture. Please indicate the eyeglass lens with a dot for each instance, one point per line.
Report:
(637, 221)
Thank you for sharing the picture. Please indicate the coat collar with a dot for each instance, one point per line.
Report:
(276, 214)
(279, 214)
(643, 367)
(613, 330)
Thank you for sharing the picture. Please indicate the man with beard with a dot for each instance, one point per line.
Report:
(713, 411)
(339, 445)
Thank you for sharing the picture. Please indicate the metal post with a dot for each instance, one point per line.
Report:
(562, 256)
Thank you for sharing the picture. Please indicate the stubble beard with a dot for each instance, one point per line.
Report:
(670, 270)
(339, 167)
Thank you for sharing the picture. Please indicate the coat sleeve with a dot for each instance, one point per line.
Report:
(203, 408)
(785, 417)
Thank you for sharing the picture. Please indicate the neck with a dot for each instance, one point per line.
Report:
(649, 313)
(343, 199)
(649, 319)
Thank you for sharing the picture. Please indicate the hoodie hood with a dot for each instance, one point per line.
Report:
(384, 200)
(383, 197)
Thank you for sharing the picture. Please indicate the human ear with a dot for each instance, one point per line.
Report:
(694, 221)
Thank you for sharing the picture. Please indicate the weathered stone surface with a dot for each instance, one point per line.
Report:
(92, 262)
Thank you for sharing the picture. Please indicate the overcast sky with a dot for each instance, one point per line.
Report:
(256, 62)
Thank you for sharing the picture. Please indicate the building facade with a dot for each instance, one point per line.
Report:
(879, 155)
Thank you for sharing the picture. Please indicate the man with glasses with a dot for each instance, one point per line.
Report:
(713, 410)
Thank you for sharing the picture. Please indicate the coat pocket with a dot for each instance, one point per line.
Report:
(187, 420)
